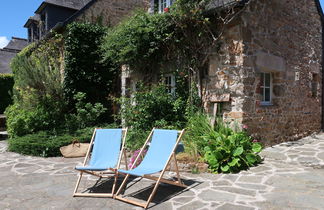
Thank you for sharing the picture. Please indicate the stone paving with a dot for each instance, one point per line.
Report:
(291, 177)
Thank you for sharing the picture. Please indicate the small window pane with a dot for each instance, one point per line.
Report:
(267, 95)
(267, 80)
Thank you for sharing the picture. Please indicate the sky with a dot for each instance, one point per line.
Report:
(15, 13)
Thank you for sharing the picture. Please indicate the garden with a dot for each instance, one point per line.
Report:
(67, 85)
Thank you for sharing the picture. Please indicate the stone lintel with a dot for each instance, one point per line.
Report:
(269, 63)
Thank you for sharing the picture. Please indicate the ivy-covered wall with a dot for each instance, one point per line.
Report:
(6, 85)
(85, 71)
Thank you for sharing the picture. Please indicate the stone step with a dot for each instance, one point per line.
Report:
(3, 135)
(2, 122)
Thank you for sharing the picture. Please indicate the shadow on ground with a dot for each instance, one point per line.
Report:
(139, 189)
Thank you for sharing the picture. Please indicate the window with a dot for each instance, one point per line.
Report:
(314, 84)
(169, 81)
(164, 4)
(266, 88)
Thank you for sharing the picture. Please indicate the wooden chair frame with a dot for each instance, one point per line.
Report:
(157, 179)
(102, 174)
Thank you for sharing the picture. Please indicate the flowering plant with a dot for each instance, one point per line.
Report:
(133, 158)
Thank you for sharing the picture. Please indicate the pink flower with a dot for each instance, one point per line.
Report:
(245, 127)
(255, 141)
(166, 9)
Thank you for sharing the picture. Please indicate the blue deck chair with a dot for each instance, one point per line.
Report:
(103, 158)
(161, 150)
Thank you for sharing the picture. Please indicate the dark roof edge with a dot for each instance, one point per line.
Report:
(78, 13)
(44, 3)
(23, 39)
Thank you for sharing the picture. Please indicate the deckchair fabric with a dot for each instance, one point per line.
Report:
(106, 149)
(159, 151)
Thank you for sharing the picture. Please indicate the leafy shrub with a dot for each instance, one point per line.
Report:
(44, 144)
(86, 113)
(222, 148)
(6, 85)
(22, 120)
(84, 70)
(148, 108)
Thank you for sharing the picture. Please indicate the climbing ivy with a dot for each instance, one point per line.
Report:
(84, 69)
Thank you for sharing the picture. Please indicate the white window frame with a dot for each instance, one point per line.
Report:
(170, 83)
(264, 87)
(166, 4)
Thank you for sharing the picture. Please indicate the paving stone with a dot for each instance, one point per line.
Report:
(321, 155)
(222, 183)
(231, 177)
(236, 190)
(210, 195)
(228, 206)
(251, 179)
(273, 155)
(193, 206)
(307, 160)
(260, 168)
(252, 186)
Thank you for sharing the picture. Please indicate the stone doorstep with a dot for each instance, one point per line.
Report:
(2, 121)
(3, 135)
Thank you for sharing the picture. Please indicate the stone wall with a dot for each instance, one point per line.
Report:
(280, 37)
(111, 12)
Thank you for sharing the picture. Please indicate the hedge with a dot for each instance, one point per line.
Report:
(46, 145)
(6, 85)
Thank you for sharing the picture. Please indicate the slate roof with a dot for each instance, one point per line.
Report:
(71, 4)
(16, 44)
(7, 53)
(36, 18)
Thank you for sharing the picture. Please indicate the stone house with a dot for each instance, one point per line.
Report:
(7, 53)
(267, 74)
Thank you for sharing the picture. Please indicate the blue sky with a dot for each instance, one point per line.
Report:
(13, 16)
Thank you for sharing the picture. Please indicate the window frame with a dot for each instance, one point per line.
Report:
(263, 88)
(171, 88)
(168, 3)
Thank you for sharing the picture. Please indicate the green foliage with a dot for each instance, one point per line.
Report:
(148, 108)
(22, 120)
(86, 114)
(148, 41)
(42, 93)
(222, 148)
(84, 70)
(138, 40)
(6, 85)
(46, 145)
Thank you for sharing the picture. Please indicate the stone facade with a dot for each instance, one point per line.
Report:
(280, 37)
(111, 12)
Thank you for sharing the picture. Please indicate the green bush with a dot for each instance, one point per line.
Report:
(148, 108)
(46, 145)
(6, 85)
(222, 148)
(86, 113)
